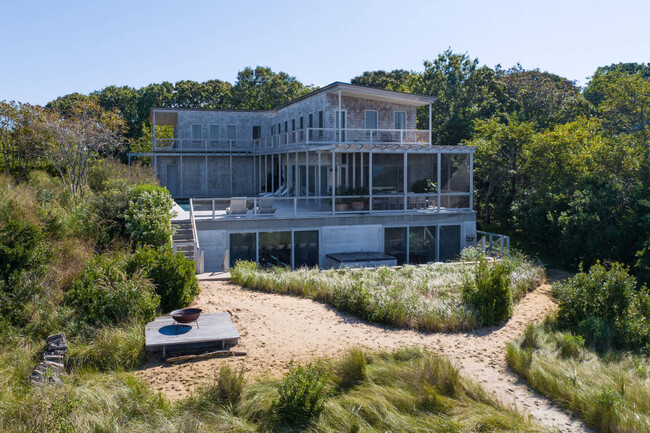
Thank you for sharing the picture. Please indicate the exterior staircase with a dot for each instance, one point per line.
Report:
(184, 241)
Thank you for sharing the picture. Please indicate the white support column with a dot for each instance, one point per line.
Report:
(340, 116)
(471, 180)
(294, 179)
(206, 176)
(361, 171)
(405, 177)
(266, 172)
(439, 179)
(318, 178)
(370, 180)
(430, 138)
(272, 173)
(307, 173)
(153, 133)
(333, 180)
(354, 169)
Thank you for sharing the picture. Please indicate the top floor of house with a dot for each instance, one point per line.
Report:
(336, 114)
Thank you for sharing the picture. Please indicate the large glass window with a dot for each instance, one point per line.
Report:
(422, 245)
(214, 134)
(371, 119)
(242, 247)
(196, 134)
(387, 173)
(305, 248)
(454, 172)
(400, 120)
(449, 242)
(395, 243)
(275, 249)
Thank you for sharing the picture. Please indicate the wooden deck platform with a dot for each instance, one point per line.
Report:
(212, 330)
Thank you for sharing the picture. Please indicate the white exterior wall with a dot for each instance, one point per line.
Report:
(213, 243)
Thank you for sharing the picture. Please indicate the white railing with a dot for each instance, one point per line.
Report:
(493, 243)
(325, 205)
(307, 136)
(198, 253)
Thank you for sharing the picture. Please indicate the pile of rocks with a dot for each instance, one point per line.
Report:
(51, 367)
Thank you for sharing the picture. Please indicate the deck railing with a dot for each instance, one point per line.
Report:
(198, 252)
(307, 136)
(493, 243)
(327, 205)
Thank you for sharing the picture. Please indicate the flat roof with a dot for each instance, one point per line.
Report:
(346, 89)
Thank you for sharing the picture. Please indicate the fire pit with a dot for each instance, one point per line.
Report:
(186, 315)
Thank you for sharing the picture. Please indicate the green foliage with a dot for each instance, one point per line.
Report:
(263, 89)
(398, 80)
(606, 307)
(172, 275)
(610, 393)
(571, 345)
(302, 395)
(488, 291)
(104, 294)
(352, 369)
(148, 215)
(111, 348)
(423, 186)
(226, 389)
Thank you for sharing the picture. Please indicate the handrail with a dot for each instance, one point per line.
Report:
(502, 240)
(197, 248)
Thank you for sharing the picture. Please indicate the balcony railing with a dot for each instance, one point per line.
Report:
(307, 136)
(320, 206)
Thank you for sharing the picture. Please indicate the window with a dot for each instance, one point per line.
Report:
(310, 121)
(214, 134)
(302, 122)
(286, 126)
(231, 132)
(257, 132)
(422, 245)
(395, 243)
(305, 248)
(371, 119)
(279, 129)
(449, 242)
(293, 124)
(341, 117)
(242, 247)
(275, 249)
(272, 129)
(320, 119)
(400, 120)
(196, 134)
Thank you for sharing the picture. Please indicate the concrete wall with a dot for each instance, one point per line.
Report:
(214, 244)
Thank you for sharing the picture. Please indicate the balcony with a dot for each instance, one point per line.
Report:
(305, 137)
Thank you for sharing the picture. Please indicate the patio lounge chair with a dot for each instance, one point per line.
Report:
(265, 207)
(281, 192)
(237, 206)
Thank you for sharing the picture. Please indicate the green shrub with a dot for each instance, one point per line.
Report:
(352, 370)
(172, 275)
(103, 293)
(570, 345)
(606, 307)
(111, 348)
(22, 244)
(531, 337)
(302, 395)
(488, 291)
(226, 389)
(148, 215)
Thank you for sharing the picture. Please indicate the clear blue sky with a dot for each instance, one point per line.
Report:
(51, 48)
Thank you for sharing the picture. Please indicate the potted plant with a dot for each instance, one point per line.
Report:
(424, 186)
(341, 203)
(358, 203)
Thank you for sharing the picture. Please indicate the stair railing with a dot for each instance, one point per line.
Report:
(198, 254)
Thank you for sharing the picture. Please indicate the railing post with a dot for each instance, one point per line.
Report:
(295, 205)
(213, 208)
(502, 245)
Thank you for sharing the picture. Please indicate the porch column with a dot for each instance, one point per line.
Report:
(370, 180)
(354, 169)
(332, 181)
(430, 125)
(272, 173)
(405, 181)
(318, 178)
(153, 133)
(439, 184)
(307, 173)
(231, 173)
(471, 180)
(206, 176)
(181, 171)
(340, 116)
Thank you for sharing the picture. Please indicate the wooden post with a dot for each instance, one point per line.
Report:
(439, 183)
(404, 182)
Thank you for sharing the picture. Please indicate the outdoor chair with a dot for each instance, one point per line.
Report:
(237, 206)
(265, 207)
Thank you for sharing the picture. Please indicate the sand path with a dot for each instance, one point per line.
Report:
(276, 329)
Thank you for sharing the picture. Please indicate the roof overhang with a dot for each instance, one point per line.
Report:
(381, 95)
(163, 117)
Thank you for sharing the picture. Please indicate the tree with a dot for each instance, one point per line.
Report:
(75, 141)
(465, 92)
(544, 98)
(20, 137)
(496, 166)
(399, 80)
(263, 89)
(211, 94)
(125, 101)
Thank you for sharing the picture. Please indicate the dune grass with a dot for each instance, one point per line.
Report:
(405, 390)
(426, 297)
(611, 392)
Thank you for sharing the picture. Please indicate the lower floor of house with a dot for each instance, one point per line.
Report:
(293, 246)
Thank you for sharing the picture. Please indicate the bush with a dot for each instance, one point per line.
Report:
(302, 394)
(103, 293)
(351, 370)
(21, 244)
(171, 273)
(606, 307)
(148, 215)
(226, 389)
(488, 291)
(531, 337)
(111, 348)
(571, 345)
